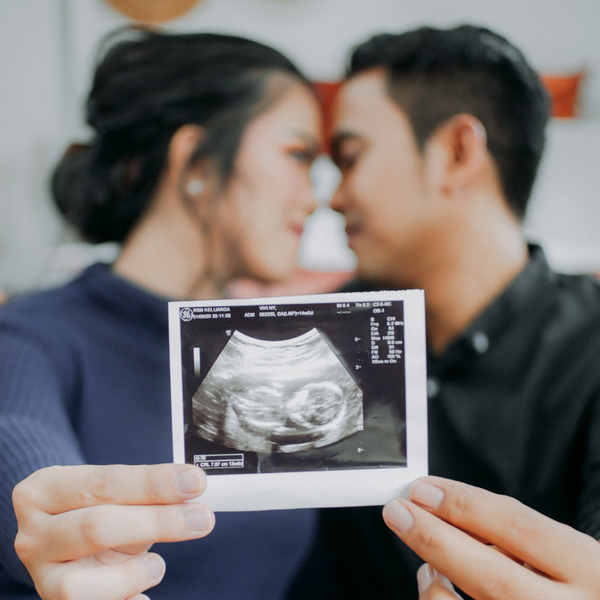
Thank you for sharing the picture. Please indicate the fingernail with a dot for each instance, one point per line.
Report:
(398, 516)
(426, 575)
(188, 482)
(198, 519)
(155, 567)
(426, 494)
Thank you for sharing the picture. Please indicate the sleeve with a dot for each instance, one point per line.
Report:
(35, 429)
(589, 500)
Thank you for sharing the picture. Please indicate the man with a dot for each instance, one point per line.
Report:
(438, 135)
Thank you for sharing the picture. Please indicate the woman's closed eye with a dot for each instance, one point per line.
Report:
(305, 156)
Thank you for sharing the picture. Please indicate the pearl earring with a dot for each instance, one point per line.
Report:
(195, 187)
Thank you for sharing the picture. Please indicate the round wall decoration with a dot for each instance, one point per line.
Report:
(152, 11)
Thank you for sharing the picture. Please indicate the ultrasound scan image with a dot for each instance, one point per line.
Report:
(277, 396)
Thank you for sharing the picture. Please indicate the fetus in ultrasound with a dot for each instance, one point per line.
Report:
(277, 396)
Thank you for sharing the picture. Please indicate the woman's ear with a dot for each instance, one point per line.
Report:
(181, 148)
(185, 181)
(456, 154)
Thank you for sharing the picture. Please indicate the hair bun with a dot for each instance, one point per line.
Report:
(70, 181)
(84, 192)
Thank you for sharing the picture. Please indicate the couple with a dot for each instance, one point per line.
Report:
(200, 168)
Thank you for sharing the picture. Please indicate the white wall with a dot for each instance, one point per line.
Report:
(564, 210)
(47, 50)
(32, 130)
(555, 35)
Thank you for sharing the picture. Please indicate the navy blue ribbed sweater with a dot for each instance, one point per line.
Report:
(84, 378)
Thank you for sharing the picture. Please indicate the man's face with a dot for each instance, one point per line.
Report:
(389, 210)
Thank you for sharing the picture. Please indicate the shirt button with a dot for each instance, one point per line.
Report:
(433, 387)
(480, 341)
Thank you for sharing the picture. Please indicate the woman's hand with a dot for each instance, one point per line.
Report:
(492, 547)
(84, 532)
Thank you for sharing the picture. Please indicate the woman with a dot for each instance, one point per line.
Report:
(200, 167)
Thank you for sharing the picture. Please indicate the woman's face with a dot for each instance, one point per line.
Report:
(266, 202)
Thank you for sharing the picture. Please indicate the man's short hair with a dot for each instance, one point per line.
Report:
(435, 74)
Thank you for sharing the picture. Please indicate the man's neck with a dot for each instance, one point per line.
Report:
(481, 268)
(454, 301)
(467, 269)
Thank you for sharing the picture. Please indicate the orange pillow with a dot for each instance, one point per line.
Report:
(326, 92)
(564, 92)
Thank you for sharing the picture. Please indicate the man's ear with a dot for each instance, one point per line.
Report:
(456, 153)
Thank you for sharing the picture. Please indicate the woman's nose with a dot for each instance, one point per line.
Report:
(338, 199)
(309, 200)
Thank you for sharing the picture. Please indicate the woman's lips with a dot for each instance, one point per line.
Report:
(297, 229)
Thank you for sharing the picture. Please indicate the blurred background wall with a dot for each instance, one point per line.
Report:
(47, 50)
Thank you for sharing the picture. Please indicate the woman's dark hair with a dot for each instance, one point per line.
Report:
(435, 74)
(145, 88)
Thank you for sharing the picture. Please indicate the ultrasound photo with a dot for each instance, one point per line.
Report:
(302, 401)
(277, 396)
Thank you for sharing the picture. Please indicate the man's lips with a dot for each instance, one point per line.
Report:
(352, 229)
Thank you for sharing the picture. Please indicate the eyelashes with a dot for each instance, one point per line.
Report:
(304, 156)
(346, 152)
(345, 162)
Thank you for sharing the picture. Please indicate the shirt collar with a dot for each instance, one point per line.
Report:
(522, 299)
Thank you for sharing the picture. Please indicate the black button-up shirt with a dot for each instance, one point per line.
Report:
(514, 407)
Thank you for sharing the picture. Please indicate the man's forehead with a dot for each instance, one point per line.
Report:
(359, 93)
(363, 104)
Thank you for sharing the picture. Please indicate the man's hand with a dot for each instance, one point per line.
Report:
(492, 547)
(84, 532)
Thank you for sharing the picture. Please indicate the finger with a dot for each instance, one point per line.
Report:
(130, 578)
(479, 570)
(60, 489)
(130, 549)
(515, 528)
(111, 557)
(434, 586)
(89, 531)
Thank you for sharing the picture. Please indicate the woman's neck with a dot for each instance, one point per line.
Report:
(168, 258)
